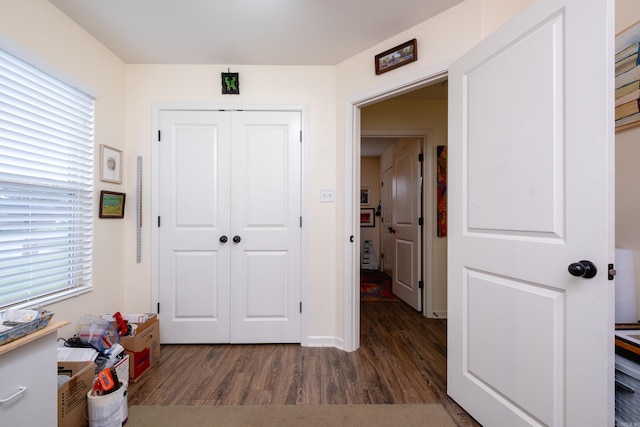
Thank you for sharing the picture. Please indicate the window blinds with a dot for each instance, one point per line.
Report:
(46, 186)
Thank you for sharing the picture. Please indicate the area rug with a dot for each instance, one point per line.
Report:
(375, 286)
(406, 415)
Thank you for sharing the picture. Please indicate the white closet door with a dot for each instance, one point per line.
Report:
(194, 265)
(229, 256)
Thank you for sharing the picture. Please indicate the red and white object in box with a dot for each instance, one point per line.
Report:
(143, 348)
(122, 368)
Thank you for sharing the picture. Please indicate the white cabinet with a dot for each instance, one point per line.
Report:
(28, 379)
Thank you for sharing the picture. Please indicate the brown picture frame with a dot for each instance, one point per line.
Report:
(395, 57)
(111, 204)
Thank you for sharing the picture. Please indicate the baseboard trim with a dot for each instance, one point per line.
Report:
(438, 315)
(324, 341)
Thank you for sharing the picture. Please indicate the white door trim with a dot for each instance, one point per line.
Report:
(351, 289)
(155, 209)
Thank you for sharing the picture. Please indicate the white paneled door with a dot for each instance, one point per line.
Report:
(407, 216)
(530, 333)
(229, 226)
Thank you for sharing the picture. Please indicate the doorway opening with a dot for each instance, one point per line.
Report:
(409, 92)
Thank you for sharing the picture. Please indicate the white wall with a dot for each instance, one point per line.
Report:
(627, 170)
(38, 28)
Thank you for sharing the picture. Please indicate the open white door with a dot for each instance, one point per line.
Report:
(407, 217)
(530, 193)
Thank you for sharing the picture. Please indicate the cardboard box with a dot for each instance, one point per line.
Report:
(72, 395)
(143, 348)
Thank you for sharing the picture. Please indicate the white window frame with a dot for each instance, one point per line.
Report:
(46, 185)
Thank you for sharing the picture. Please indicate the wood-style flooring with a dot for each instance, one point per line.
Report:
(401, 359)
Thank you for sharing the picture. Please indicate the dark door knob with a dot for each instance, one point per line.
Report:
(223, 239)
(585, 269)
(391, 230)
(236, 239)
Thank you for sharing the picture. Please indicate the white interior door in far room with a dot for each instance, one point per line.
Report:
(530, 193)
(229, 226)
(407, 218)
(388, 240)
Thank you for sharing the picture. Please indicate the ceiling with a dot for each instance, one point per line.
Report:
(246, 32)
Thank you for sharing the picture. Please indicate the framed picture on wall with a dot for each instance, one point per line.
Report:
(110, 164)
(396, 57)
(365, 196)
(111, 204)
(367, 217)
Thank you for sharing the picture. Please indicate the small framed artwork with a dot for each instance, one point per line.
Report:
(111, 204)
(230, 83)
(397, 56)
(367, 217)
(110, 164)
(365, 196)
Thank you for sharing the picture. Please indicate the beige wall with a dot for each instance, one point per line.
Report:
(440, 41)
(126, 94)
(40, 29)
(627, 170)
(312, 87)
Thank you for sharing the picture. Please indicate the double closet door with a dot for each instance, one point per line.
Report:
(229, 236)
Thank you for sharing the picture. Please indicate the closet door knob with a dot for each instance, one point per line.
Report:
(223, 239)
(236, 239)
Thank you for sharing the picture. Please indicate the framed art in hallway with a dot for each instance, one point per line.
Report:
(365, 196)
(367, 217)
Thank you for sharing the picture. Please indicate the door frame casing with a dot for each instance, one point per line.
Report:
(304, 209)
(351, 288)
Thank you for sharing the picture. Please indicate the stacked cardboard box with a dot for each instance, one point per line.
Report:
(72, 395)
(143, 348)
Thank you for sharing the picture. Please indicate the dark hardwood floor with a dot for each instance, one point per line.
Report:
(401, 359)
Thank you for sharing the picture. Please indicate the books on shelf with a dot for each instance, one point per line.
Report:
(627, 77)
(628, 109)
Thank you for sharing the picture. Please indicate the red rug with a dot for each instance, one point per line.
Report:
(375, 286)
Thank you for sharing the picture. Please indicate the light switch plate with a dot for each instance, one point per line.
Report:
(326, 195)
